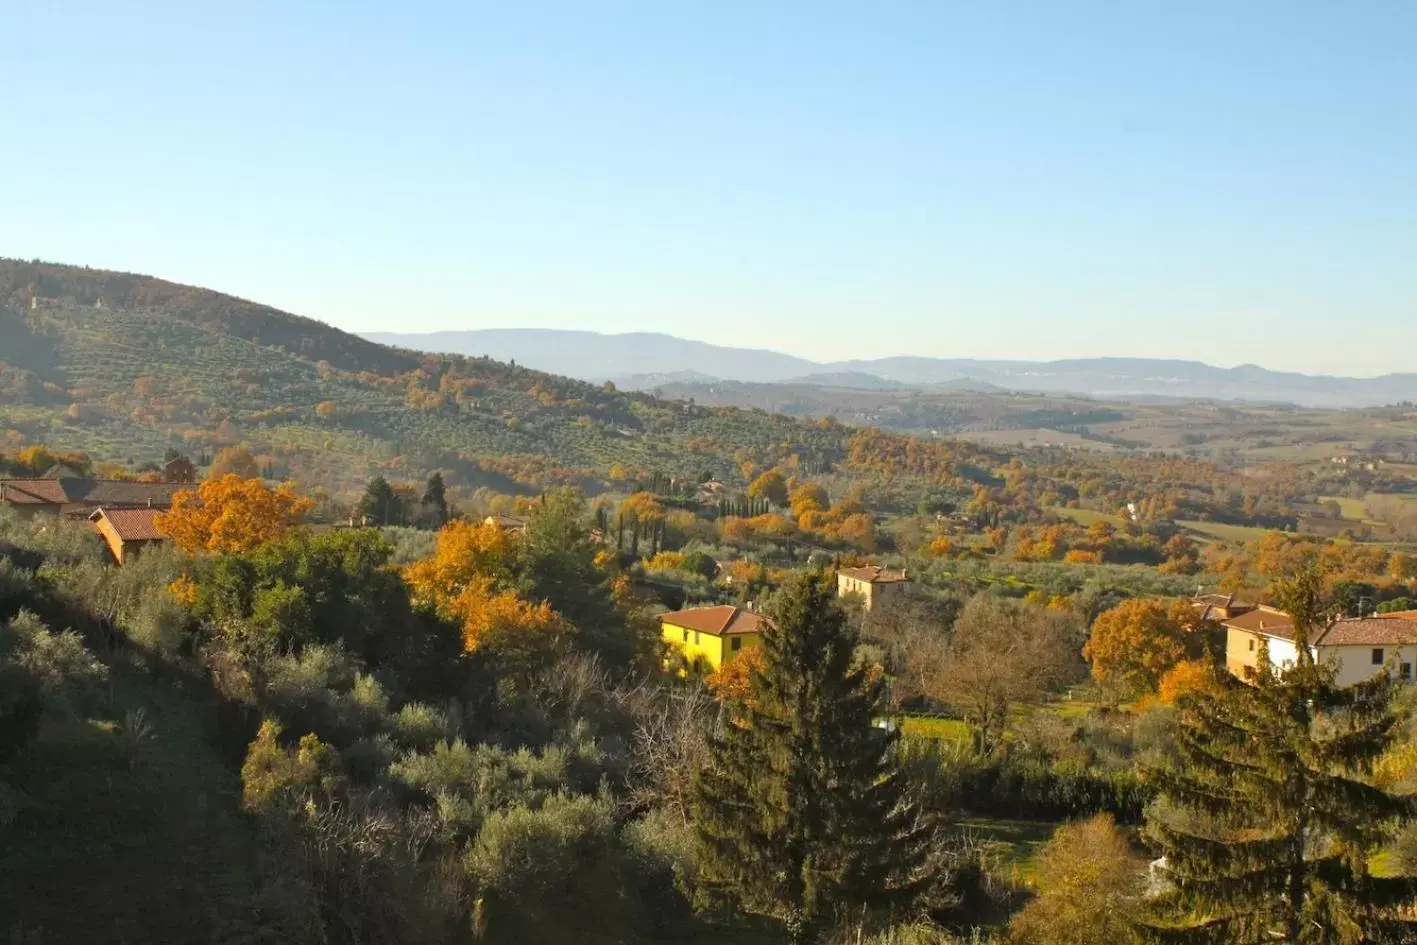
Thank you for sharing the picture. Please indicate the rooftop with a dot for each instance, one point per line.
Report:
(1265, 620)
(102, 492)
(722, 620)
(132, 524)
(1382, 630)
(875, 575)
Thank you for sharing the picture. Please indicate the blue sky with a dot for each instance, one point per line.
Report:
(1227, 181)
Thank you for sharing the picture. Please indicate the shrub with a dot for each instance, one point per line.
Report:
(527, 860)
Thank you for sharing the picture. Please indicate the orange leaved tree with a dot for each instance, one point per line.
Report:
(1139, 641)
(231, 515)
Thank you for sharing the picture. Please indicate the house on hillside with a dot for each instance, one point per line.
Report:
(507, 523)
(875, 585)
(76, 496)
(1357, 647)
(127, 531)
(180, 469)
(713, 635)
(1219, 607)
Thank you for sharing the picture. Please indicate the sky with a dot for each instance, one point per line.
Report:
(1226, 181)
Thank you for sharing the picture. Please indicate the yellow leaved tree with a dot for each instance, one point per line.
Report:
(231, 515)
(468, 579)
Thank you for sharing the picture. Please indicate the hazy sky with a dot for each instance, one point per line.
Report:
(1230, 181)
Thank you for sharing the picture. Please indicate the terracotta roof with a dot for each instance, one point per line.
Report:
(132, 524)
(91, 492)
(1219, 606)
(1266, 620)
(1384, 630)
(509, 522)
(720, 621)
(1400, 615)
(874, 575)
(32, 492)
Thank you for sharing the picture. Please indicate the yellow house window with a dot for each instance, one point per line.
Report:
(1252, 644)
(696, 638)
(686, 636)
(736, 645)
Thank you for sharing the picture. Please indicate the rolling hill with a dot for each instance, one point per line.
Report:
(124, 366)
(593, 356)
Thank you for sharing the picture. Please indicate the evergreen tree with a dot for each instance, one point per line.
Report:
(1266, 816)
(379, 501)
(435, 499)
(802, 812)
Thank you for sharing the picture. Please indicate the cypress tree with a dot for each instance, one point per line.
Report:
(1266, 815)
(803, 812)
(435, 499)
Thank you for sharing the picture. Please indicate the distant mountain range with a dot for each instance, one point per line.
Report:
(649, 359)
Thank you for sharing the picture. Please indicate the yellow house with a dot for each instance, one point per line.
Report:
(874, 585)
(713, 635)
(127, 531)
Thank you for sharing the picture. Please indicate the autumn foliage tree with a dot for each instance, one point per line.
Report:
(1139, 641)
(771, 486)
(471, 579)
(231, 515)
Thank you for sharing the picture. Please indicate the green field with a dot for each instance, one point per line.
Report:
(934, 727)
(1239, 533)
(1012, 845)
(1085, 516)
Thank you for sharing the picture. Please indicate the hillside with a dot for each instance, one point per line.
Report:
(594, 356)
(125, 366)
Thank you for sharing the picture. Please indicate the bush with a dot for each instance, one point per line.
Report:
(67, 674)
(530, 863)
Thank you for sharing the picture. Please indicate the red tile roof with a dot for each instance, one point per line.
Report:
(1383, 630)
(89, 492)
(720, 621)
(132, 524)
(1266, 620)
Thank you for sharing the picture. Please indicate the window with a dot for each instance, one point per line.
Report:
(686, 636)
(1252, 644)
(737, 644)
(1407, 672)
(696, 638)
(1377, 656)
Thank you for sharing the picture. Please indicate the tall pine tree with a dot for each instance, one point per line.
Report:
(803, 813)
(1267, 817)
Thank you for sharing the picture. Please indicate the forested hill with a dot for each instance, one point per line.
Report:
(126, 366)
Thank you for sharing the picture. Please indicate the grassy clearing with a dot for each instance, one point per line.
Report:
(934, 727)
(1222, 532)
(1012, 845)
(1355, 509)
(1085, 516)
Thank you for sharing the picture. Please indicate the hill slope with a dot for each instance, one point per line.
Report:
(125, 366)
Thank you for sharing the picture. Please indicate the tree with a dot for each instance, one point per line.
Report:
(1001, 654)
(379, 505)
(234, 461)
(1089, 889)
(1137, 642)
(231, 515)
(802, 812)
(435, 499)
(558, 562)
(809, 497)
(1267, 816)
(771, 486)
